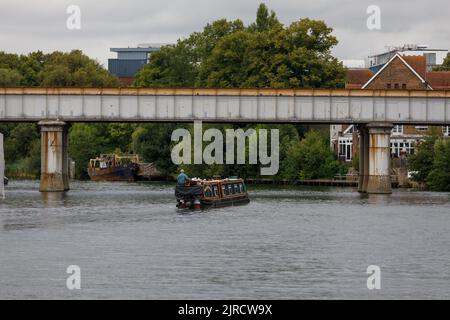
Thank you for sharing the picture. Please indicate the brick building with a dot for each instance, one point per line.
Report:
(401, 72)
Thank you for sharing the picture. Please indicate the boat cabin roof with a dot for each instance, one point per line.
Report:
(217, 181)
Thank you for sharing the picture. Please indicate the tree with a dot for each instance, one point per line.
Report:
(153, 142)
(22, 141)
(179, 65)
(264, 54)
(226, 66)
(10, 77)
(421, 163)
(439, 177)
(121, 136)
(172, 66)
(74, 69)
(264, 20)
(445, 66)
(292, 57)
(87, 141)
(311, 158)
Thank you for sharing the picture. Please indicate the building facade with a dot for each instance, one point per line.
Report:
(401, 72)
(129, 61)
(433, 57)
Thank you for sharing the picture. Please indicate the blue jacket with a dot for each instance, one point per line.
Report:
(182, 178)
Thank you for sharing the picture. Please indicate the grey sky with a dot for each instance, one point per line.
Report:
(29, 25)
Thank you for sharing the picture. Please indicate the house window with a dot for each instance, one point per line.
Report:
(430, 59)
(446, 131)
(389, 86)
(397, 130)
(396, 86)
(403, 86)
(345, 149)
(401, 146)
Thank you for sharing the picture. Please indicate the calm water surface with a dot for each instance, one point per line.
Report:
(297, 243)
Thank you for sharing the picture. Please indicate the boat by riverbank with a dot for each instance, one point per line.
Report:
(203, 194)
(111, 167)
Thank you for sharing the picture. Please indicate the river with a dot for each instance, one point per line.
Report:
(288, 243)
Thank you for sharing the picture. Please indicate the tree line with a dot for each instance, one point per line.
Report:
(430, 164)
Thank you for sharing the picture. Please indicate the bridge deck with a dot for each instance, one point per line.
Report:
(225, 105)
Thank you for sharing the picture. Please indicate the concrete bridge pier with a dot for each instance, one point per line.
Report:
(54, 156)
(379, 180)
(363, 159)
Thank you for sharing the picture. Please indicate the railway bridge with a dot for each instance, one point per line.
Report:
(374, 112)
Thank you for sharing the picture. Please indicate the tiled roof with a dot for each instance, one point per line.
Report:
(418, 63)
(356, 78)
(439, 79)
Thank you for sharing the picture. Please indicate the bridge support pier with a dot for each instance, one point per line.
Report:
(54, 156)
(379, 156)
(363, 159)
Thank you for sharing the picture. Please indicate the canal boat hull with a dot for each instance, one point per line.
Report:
(238, 201)
(122, 173)
(211, 194)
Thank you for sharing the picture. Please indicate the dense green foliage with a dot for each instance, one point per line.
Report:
(153, 142)
(439, 176)
(311, 158)
(421, 162)
(22, 141)
(56, 69)
(445, 64)
(431, 163)
(264, 54)
(87, 141)
(22, 149)
(224, 54)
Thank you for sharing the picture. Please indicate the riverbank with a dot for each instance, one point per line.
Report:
(315, 182)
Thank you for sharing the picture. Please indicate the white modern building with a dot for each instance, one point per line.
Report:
(434, 57)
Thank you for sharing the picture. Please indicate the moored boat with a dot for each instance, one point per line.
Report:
(202, 194)
(111, 167)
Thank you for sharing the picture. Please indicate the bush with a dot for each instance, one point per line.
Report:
(422, 162)
(311, 158)
(439, 177)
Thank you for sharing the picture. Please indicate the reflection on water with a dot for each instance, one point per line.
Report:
(51, 199)
(380, 199)
(289, 242)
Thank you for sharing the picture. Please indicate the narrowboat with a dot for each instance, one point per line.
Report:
(204, 194)
(111, 167)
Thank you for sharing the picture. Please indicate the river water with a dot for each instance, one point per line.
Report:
(288, 243)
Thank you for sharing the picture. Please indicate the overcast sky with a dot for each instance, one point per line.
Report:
(29, 25)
